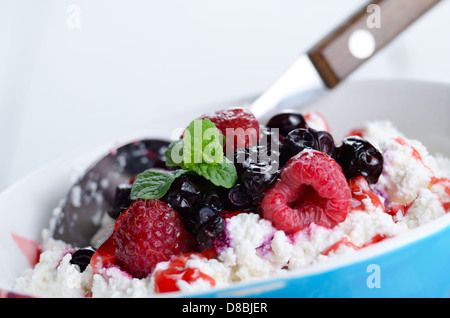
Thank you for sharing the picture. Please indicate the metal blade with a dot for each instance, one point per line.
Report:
(300, 84)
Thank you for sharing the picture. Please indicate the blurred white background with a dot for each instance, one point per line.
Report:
(124, 64)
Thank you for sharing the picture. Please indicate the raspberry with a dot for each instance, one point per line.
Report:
(147, 233)
(242, 126)
(311, 189)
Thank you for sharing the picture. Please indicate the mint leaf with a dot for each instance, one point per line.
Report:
(201, 151)
(154, 184)
(221, 174)
(174, 154)
(202, 143)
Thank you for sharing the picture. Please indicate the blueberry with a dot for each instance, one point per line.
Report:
(183, 195)
(242, 157)
(204, 220)
(121, 200)
(257, 178)
(286, 122)
(296, 141)
(358, 157)
(213, 201)
(209, 231)
(257, 168)
(266, 152)
(82, 257)
(325, 142)
(269, 142)
(300, 139)
(238, 199)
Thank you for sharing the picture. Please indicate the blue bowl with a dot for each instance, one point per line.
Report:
(406, 266)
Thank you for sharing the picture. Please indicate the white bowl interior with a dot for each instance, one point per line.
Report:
(421, 110)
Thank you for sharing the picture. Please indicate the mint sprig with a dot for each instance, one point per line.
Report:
(202, 143)
(154, 184)
(221, 174)
(201, 150)
(174, 154)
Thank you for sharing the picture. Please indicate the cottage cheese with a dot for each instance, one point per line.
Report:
(54, 276)
(404, 173)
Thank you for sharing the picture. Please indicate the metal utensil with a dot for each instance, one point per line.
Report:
(340, 53)
(324, 66)
(92, 195)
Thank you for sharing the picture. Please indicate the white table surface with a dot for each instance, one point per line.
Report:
(123, 64)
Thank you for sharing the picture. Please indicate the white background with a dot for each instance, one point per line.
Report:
(133, 62)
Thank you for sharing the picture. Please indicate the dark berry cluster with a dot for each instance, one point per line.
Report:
(196, 208)
(257, 168)
(306, 138)
(356, 155)
(202, 204)
(199, 204)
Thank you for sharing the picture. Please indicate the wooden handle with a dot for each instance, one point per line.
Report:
(362, 35)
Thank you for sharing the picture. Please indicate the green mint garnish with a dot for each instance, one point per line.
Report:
(201, 151)
(202, 143)
(221, 174)
(154, 184)
(174, 154)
